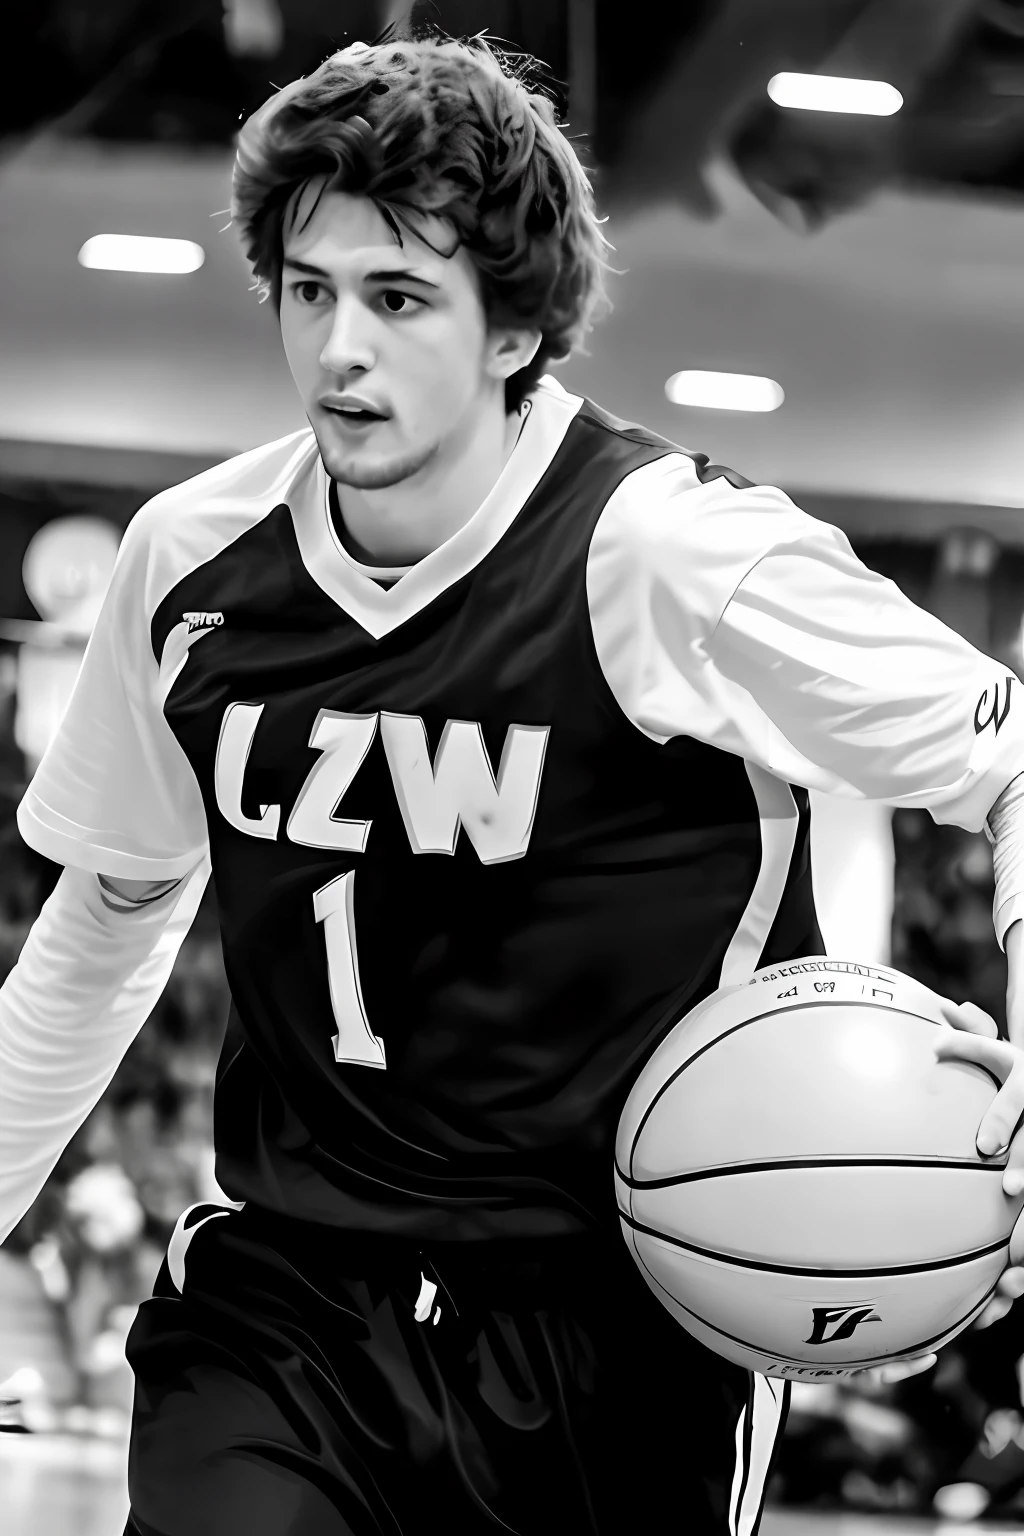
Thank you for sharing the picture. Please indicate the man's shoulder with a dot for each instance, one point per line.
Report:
(669, 506)
(187, 525)
(249, 484)
(625, 440)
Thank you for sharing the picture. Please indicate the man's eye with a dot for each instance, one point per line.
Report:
(309, 292)
(397, 302)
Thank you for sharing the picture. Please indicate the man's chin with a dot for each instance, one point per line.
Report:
(366, 471)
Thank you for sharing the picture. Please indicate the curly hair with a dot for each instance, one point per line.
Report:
(430, 124)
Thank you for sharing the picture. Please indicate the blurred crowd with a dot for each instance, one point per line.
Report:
(951, 1440)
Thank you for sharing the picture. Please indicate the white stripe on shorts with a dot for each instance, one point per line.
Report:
(756, 1435)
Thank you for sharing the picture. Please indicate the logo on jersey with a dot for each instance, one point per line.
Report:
(456, 791)
(197, 621)
(995, 716)
(833, 1323)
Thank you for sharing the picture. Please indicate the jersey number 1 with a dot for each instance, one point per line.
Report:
(355, 1043)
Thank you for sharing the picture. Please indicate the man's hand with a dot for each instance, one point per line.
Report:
(978, 1041)
(973, 1036)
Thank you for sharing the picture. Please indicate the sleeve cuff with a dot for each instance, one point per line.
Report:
(1008, 913)
(83, 848)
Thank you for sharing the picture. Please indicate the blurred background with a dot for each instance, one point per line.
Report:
(821, 286)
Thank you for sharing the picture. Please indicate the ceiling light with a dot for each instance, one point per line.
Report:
(141, 253)
(724, 391)
(833, 93)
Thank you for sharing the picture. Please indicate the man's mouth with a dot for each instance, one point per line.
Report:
(355, 420)
(352, 408)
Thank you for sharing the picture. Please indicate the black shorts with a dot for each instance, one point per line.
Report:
(290, 1378)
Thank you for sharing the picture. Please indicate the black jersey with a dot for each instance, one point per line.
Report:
(480, 833)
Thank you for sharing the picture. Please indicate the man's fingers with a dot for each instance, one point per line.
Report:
(1013, 1173)
(1005, 1063)
(969, 1018)
(901, 1370)
(1011, 1282)
(997, 1055)
(1009, 1286)
(995, 1311)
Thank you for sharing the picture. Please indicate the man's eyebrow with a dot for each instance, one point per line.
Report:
(379, 275)
(399, 275)
(303, 266)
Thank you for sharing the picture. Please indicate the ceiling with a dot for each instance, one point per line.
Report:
(897, 331)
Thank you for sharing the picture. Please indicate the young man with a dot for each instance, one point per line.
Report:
(495, 718)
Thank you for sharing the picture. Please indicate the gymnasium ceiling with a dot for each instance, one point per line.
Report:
(894, 323)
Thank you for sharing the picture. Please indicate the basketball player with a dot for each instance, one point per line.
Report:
(494, 717)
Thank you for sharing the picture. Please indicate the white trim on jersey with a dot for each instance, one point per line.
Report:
(382, 609)
(757, 1432)
(779, 817)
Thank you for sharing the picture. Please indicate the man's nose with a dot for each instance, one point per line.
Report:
(350, 344)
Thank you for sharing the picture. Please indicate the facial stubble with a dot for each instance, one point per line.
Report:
(378, 476)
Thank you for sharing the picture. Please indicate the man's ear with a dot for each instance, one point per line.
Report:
(509, 350)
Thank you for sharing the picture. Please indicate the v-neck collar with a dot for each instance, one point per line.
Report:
(381, 609)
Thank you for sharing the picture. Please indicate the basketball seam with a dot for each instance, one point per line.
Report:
(777, 1165)
(853, 1365)
(772, 1013)
(814, 1272)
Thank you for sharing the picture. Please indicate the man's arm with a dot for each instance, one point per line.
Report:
(88, 977)
(727, 615)
(116, 801)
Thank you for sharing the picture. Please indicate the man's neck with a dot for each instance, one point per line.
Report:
(399, 525)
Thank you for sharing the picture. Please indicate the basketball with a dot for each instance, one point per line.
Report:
(797, 1176)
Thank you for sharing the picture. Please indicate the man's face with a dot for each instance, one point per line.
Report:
(396, 329)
